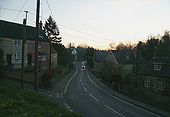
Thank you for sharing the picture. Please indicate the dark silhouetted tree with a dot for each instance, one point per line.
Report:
(148, 49)
(89, 56)
(52, 32)
(124, 47)
(164, 45)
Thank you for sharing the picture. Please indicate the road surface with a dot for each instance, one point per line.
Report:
(88, 99)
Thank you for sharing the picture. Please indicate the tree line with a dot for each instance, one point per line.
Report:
(154, 46)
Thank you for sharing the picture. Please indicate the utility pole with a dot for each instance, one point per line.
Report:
(50, 54)
(36, 46)
(23, 49)
(139, 46)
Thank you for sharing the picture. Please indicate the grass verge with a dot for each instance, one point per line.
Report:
(22, 103)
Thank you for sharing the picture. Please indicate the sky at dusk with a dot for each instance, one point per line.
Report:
(96, 22)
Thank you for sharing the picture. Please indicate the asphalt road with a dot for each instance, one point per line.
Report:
(88, 99)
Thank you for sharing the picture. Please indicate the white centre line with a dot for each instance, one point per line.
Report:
(93, 97)
(114, 111)
(85, 89)
(82, 83)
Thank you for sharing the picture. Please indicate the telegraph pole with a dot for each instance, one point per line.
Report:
(23, 49)
(36, 46)
(50, 55)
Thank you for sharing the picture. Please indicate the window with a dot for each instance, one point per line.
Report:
(157, 67)
(39, 45)
(161, 85)
(17, 42)
(44, 57)
(147, 83)
(16, 55)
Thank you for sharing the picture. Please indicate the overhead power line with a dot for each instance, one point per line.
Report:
(49, 8)
(25, 2)
(11, 9)
(67, 27)
(88, 34)
(73, 29)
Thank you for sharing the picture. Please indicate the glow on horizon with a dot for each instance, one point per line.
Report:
(104, 21)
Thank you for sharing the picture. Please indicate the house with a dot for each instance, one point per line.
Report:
(122, 62)
(74, 53)
(154, 77)
(11, 37)
(54, 58)
(99, 61)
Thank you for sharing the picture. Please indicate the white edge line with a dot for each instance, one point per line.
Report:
(114, 111)
(85, 89)
(120, 98)
(66, 86)
(93, 97)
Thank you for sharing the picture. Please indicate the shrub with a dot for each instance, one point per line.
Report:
(48, 75)
(29, 68)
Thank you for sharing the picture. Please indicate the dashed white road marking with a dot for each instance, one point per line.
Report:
(114, 111)
(54, 90)
(68, 107)
(82, 83)
(93, 97)
(53, 96)
(85, 89)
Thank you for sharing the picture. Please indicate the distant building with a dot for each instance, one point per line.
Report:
(99, 61)
(74, 53)
(54, 58)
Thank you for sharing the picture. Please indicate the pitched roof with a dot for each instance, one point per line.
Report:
(100, 56)
(15, 31)
(123, 57)
(148, 68)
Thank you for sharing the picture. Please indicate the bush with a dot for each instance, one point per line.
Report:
(48, 75)
(29, 68)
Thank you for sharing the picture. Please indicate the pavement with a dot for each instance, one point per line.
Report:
(128, 99)
(91, 98)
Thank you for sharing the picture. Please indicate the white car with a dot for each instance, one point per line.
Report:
(83, 67)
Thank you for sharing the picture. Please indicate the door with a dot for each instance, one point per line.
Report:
(29, 59)
(9, 60)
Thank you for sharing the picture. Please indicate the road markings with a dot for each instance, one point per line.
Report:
(54, 91)
(120, 98)
(68, 107)
(82, 83)
(93, 97)
(85, 89)
(114, 111)
(66, 86)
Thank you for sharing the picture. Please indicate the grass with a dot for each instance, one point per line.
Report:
(21, 103)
